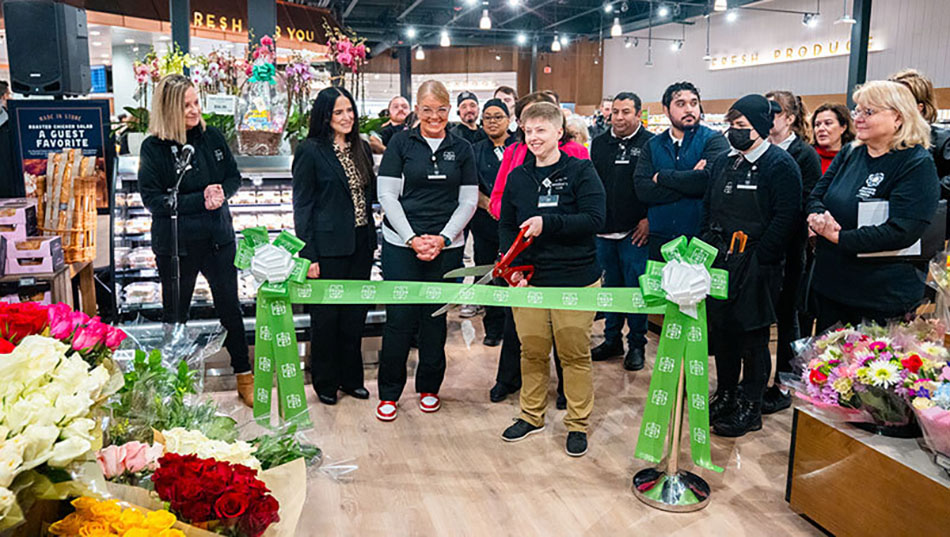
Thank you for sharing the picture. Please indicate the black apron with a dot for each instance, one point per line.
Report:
(734, 205)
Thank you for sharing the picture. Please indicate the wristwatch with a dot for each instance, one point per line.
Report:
(409, 242)
(448, 241)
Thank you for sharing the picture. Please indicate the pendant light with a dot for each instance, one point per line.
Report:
(556, 44)
(420, 54)
(616, 30)
(720, 5)
(444, 41)
(485, 22)
(846, 18)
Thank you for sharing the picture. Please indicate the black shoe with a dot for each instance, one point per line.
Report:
(491, 341)
(561, 402)
(327, 399)
(774, 401)
(746, 418)
(498, 392)
(359, 393)
(606, 351)
(520, 430)
(633, 360)
(576, 445)
(723, 403)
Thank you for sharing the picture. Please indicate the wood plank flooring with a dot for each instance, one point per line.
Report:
(450, 474)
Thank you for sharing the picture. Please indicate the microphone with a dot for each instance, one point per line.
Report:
(184, 160)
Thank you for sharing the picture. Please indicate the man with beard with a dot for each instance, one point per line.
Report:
(398, 112)
(671, 177)
(468, 112)
(601, 118)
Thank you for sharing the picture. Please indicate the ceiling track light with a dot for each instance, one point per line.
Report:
(676, 46)
(608, 8)
(663, 11)
(846, 18)
(485, 22)
(707, 57)
(627, 43)
(732, 15)
(411, 32)
(720, 5)
(521, 38)
(810, 20)
(616, 30)
(514, 3)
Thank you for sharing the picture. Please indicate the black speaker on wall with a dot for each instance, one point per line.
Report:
(48, 47)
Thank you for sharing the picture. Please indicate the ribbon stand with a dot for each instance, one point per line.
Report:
(673, 489)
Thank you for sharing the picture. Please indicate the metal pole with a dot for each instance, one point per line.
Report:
(179, 12)
(405, 73)
(533, 85)
(261, 19)
(858, 59)
(676, 431)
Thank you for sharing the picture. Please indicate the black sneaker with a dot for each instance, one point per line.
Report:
(520, 430)
(498, 392)
(561, 402)
(746, 418)
(775, 400)
(606, 351)
(723, 403)
(634, 360)
(576, 445)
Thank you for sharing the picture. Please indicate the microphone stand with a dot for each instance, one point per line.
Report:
(177, 328)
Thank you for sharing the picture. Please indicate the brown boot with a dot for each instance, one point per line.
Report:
(245, 388)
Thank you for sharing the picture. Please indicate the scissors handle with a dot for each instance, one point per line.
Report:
(508, 272)
(504, 269)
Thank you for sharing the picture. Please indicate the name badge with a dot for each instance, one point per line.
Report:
(747, 187)
(622, 161)
(549, 200)
(437, 177)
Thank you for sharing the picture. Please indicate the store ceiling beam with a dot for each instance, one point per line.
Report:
(409, 9)
(349, 8)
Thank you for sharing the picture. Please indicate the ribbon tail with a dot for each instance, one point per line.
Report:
(661, 397)
(263, 363)
(290, 382)
(697, 389)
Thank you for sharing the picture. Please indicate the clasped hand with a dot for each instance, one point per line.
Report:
(824, 225)
(214, 197)
(427, 247)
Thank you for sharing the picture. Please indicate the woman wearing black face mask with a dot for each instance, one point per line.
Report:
(751, 205)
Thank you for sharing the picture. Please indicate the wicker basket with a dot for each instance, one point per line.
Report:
(77, 223)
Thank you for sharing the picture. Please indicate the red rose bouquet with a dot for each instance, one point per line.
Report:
(225, 498)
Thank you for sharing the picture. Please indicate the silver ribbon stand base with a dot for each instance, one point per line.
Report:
(672, 488)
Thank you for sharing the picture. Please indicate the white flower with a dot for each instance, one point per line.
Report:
(73, 406)
(80, 428)
(31, 360)
(10, 460)
(68, 450)
(39, 441)
(7, 499)
(188, 442)
(883, 373)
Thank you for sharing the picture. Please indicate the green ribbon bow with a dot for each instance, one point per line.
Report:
(275, 339)
(263, 72)
(683, 343)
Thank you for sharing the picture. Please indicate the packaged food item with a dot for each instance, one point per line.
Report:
(35, 255)
(202, 289)
(141, 258)
(18, 218)
(139, 224)
(142, 293)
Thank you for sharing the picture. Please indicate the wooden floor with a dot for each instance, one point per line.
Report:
(450, 474)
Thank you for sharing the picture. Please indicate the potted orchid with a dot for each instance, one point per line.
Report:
(349, 52)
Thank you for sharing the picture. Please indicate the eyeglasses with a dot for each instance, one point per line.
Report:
(497, 118)
(425, 111)
(860, 112)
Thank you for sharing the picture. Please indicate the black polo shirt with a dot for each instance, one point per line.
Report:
(427, 198)
(488, 160)
(471, 136)
(386, 133)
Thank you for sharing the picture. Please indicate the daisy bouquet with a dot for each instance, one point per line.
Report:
(930, 398)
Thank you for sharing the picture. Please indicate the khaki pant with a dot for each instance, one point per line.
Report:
(538, 330)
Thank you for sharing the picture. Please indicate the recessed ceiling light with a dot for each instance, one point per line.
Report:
(129, 41)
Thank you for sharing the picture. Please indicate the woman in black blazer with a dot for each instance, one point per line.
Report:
(334, 191)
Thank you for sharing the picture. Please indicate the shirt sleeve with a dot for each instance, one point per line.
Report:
(649, 192)
(692, 183)
(231, 181)
(810, 165)
(498, 190)
(508, 218)
(591, 204)
(468, 196)
(304, 198)
(785, 198)
(815, 203)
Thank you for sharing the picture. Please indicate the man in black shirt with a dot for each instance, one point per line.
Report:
(558, 200)
(468, 113)
(601, 118)
(398, 112)
(622, 244)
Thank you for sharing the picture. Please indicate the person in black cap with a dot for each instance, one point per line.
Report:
(750, 210)
(488, 155)
(468, 112)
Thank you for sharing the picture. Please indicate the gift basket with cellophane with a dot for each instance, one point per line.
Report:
(261, 111)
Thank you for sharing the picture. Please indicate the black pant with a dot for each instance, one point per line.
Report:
(831, 312)
(746, 353)
(786, 310)
(485, 236)
(216, 263)
(336, 332)
(509, 363)
(403, 322)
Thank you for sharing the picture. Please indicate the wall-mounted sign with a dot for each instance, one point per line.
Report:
(547, 69)
(214, 21)
(799, 52)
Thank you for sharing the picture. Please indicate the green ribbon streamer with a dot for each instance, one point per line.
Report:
(683, 343)
(263, 72)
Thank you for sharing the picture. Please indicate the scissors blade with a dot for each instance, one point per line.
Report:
(481, 281)
(478, 270)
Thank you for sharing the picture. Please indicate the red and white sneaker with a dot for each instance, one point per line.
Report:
(429, 402)
(386, 410)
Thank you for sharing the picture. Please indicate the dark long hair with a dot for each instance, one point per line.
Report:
(320, 129)
(844, 119)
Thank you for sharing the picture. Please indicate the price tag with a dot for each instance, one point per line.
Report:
(220, 104)
(24, 282)
(149, 273)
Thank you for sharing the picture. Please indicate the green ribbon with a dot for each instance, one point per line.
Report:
(275, 339)
(683, 343)
(263, 72)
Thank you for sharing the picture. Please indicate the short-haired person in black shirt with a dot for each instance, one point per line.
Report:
(484, 227)
(558, 200)
(334, 190)
(889, 161)
(468, 112)
(399, 111)
(206, 240)
(509, 96)
(622, 244)
(428, 189)
(755, 189)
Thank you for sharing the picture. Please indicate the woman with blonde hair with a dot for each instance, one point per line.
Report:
(205, 234)
(428, 188)
(889, 161)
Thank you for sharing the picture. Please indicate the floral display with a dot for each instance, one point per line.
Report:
(348, 51)
(218, 496)
(188, 442)
(121, 463)
(103, 518)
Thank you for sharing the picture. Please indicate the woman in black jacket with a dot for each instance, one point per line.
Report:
(205, 234)
(334, 191)
(751, 207)
(790, 132)
(888, 163)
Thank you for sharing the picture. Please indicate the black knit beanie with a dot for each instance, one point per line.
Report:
(498, 103)
(759, 111)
